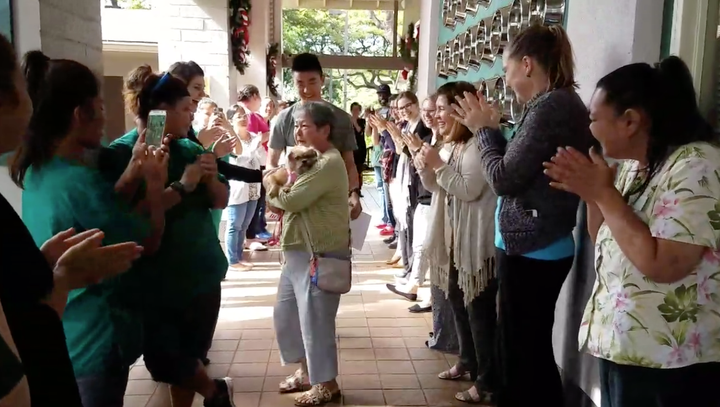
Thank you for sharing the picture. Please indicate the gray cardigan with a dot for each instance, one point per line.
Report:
(533, 215)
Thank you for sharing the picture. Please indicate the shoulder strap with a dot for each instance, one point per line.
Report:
(306, 232)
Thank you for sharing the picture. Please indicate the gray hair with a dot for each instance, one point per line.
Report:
(320, 113)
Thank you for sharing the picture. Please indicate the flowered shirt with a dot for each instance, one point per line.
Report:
(632, 320)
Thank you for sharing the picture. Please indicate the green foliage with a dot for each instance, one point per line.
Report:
(132, 4)
(322, 32)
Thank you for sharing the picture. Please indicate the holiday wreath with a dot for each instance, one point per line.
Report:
(409, 54)
(271, 68)
(239, 33)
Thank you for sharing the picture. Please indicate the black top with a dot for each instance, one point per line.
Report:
(231, 171)
(418, 193)
(25, 281)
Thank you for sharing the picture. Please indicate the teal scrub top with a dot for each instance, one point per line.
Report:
(102, 318)
(190, 260)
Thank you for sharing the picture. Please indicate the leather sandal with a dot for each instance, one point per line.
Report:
(318, 395)
(459, 374)
(483, 397)
(294, 383)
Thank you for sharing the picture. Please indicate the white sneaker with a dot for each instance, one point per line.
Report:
(257, 247)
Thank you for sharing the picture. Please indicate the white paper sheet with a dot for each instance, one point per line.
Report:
(358, 230)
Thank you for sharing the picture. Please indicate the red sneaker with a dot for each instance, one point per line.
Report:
(381, 226)
(388, 231)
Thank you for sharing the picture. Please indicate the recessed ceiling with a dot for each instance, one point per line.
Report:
(344, 4)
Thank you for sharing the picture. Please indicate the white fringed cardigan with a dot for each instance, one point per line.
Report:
(473, 214)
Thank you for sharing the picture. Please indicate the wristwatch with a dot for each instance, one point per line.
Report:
(179, 187)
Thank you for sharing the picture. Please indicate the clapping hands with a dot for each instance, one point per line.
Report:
(474, 112)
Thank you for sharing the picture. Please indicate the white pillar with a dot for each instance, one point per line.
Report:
(611, 33)
(260, 34)
(427, 48)
(198, 30)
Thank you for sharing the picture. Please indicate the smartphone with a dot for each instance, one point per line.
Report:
(155, 128)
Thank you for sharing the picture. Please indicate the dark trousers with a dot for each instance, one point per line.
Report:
(388, 204)
(528, 291)
(634, 386)
(476, 324)
(406, 242)
(258, 224)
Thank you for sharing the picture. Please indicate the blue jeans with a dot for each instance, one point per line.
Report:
(106, 389)
(381, 192)
(239, 217)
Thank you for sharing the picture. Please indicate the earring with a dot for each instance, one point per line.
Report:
(527, 74)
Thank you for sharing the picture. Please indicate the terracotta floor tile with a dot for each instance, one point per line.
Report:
(358, 367)
(415, 331)
(379, 332)
(404, 397)
(358, 398)
(351, 322)
(391, 354)
(430, 366)
(248, 369)
(399, 381)
(225, 344)
(255, 344)
(272, 383)
(247, 399)
(352, 332)
(228, 334)
(251, 356)
(395, 366)
(425, 354)
(221, 356)
(248, 384)
(277, 369)
(140, 388)
(388, 343)
(136, 401)
(354, 343)
(139, 372)
(357, 354)
(218, 369)
(274, 399)
(360, 382)
(258, 334)
(431, 381)
(442, 398)
(416, 342)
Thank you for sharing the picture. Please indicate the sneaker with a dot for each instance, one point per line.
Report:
(263, 235)
(257, 247)
(388, 231)
(381, 226)
(393, 245)
(223, 397)
(389, 240)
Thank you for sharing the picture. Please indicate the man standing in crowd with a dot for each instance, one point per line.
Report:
(308, 77)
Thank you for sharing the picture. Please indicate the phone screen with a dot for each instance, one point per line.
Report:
(155, 128)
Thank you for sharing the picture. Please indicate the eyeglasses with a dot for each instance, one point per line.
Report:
(428, 110)
(405, 107)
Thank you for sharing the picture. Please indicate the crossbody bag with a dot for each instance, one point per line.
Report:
(332, 275)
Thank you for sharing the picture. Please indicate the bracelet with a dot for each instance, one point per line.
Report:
(355, 190)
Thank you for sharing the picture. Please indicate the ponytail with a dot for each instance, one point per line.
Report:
(145, 91)
(666, 95)
(551, 48)
(57, 87)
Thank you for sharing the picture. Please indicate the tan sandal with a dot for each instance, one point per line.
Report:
(318, 395)
(454, 373)
(294, 383)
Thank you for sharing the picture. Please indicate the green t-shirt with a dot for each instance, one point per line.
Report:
(104, 317)
(190, 260)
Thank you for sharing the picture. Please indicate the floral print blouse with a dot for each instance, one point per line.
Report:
(632, 320)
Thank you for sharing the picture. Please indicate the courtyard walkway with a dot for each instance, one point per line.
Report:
(382, 353)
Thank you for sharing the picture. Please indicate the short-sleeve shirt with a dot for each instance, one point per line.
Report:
(632, 320)
(257, 124)
(342, 136)
(190, 260)
(99, 319)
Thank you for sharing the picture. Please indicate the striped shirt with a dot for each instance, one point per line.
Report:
(321, 196)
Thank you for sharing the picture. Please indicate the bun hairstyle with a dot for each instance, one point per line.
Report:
(8, 66)
(665, 94)
(145, 91)
(550, 47)
(57, 87)
(451, 90)
(247, 92)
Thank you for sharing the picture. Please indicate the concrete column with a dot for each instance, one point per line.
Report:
(260, 34)
(71, 29)
(611, 33)
(198, 30)
(427, 48)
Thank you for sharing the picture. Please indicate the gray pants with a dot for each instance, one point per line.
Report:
(305, 320)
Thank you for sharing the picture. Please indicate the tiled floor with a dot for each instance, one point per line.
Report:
(383, 359)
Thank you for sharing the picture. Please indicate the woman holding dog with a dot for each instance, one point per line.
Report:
(315, 206)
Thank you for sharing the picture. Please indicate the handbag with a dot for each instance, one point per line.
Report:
(332, 275)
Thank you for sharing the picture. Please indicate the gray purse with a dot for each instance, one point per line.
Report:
(330, 274)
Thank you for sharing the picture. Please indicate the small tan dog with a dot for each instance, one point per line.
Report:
(300, 160)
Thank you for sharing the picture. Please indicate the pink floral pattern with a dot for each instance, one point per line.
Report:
(633, 320)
